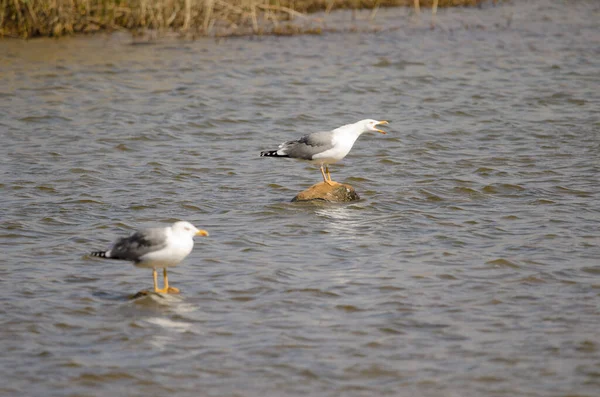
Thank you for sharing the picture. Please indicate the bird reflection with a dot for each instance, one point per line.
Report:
(342, 221)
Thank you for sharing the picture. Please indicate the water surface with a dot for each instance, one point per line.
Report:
(471, 266)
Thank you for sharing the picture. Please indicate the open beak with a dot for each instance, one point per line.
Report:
(383, 122)
(202, 233)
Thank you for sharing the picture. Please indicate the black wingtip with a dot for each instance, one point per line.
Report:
(99, 254)
(271, 153)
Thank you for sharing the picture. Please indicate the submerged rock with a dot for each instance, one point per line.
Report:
(336, 193)
(148, 292)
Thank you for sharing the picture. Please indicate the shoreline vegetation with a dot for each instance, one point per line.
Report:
(188, 18)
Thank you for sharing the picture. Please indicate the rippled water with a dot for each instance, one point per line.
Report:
(470, 267)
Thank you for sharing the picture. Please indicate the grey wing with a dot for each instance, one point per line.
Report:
(309, 145)
(139, 244)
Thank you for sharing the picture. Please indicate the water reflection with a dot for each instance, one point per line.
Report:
(341, 221)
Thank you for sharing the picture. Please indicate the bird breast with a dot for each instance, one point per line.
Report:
(175, 251)
(341, 147)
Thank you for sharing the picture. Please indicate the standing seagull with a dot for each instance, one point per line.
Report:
(156, 247)
(325, 147)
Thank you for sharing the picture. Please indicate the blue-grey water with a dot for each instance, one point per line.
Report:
(470, 267)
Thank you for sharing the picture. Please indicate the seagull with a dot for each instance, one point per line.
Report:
(155, 248)
(325, 147)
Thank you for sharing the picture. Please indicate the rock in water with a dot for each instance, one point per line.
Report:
(338, 193)
(148, 292)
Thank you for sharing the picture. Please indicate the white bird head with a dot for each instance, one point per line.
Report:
(371, 125)
(187, 228)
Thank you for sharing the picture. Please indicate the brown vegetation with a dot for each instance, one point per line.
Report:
(29, 18)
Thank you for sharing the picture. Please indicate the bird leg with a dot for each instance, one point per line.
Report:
(166, 278)
(328, 174)
(327, 181)
(155, 276)
(323, 173)
(169, 290)
(166, 289)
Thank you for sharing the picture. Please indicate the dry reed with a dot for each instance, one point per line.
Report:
(30, 18)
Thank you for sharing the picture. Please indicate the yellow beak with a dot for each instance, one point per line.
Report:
(383, 122)
(202, 233)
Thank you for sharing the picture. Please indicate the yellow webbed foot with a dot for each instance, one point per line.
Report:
(172, 290)
(167, 290)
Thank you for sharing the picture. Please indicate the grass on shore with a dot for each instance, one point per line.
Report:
(31, 18)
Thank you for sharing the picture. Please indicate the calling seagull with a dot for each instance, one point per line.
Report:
(325, 147)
